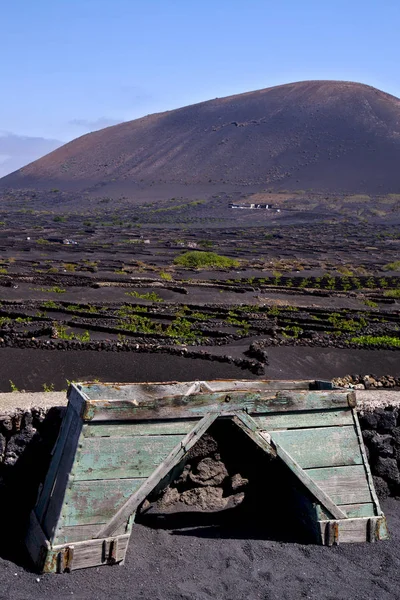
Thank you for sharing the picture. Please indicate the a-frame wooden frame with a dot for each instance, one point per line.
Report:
(118, 442)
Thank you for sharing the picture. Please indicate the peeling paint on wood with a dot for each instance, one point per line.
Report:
(119, 442)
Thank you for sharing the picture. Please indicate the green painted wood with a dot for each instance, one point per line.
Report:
(304, 419)
(321, 447)
(128, 457)
(145, 391)
(309, 483)
(198, 405)
(62, 480)
(68, 423)
(246, 424)
(120, 429)
(80, 533)
(345, 485)
(91, 502)
(366, 465)
(173, 459)
(352, 511)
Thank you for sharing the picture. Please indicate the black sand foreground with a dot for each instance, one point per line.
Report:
(177, 564)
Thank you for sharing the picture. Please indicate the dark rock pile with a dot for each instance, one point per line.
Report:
(366, 382)
(381, 434)
(26, 441)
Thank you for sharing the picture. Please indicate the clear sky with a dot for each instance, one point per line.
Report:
(71, 66)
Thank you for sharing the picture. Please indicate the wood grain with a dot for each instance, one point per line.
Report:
(304, 419)
(197, 405)
(345, 485)
(123, 458)
(120, 429)
(320, 494)
(351, 510)
(91, 502)
(321, 447)
(163, 469)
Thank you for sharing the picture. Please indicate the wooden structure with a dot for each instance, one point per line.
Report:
(118, 442)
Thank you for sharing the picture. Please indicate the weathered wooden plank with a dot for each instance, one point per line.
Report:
(128, 457)
(321, 447)
(146, 391)
(381, 530)
(306, 480)
(91, 502)
(315, 490)
(349, 530)
(36, 541)
(351, 510)
(89, 553)
(247, 425)
(76, 397)
(164, 468)
(120, 429)
(80, 533)
(345, 485)
(70, 419)
(197, 405)
(60, 486)
(304, 419)
(366, 465)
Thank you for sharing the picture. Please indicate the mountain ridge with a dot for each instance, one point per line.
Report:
(320, 135)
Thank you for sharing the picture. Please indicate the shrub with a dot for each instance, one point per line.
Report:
(152, 296)
(198, 259)
(392, 293)
(371, 340)
(393, 266)
(166, 276)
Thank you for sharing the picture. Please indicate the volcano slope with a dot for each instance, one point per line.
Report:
(326, 136)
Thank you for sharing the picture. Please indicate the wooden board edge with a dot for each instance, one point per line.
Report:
(367, 468)
(36, 542)
(306, 480)
(353, 530)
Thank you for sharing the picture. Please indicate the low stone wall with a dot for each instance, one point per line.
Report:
(381, 433)
(29, 425)
(27, 436)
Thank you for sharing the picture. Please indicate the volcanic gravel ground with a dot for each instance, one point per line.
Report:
(30, 369)
(179, 564)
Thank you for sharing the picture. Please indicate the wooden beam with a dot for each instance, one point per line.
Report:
(246, 424)
(198, 405)
(366, 464)
(316, 491)
(169, 463)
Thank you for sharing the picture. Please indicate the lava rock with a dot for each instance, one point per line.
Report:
(386, 419)
(382, 445)
(368, 420)
(209, 472)
(204, 498)
(238, 482)
(387, 469)
(381, 487)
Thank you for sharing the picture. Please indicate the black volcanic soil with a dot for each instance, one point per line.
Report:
(213, 562)
(326, 136)
(107, 301)
(94, 297)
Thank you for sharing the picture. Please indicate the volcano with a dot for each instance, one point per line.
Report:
(327, 136)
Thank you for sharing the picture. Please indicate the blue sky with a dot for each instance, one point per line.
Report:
(71, 66)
